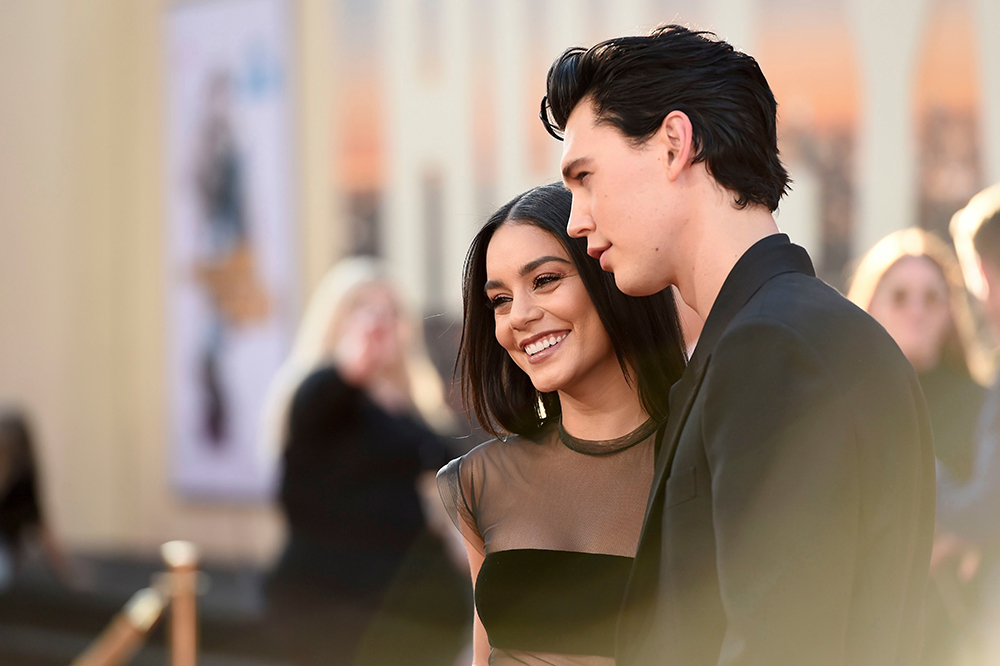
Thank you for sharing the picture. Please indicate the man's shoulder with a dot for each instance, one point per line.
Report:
(801, 309)
(812, 309)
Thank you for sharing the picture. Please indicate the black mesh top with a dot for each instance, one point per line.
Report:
(558, 529)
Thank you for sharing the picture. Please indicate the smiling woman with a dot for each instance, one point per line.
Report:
(552, 519)
(537, 267)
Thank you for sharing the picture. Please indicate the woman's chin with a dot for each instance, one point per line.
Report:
(545, 384)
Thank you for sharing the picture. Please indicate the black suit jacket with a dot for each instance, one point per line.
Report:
(792, 510)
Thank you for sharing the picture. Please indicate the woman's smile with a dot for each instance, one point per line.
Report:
(542, 346)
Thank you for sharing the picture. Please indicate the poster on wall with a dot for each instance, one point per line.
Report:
(231, 252)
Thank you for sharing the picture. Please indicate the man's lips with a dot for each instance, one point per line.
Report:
(596, 252)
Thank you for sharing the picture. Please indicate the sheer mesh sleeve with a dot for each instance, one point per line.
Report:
(457, 492)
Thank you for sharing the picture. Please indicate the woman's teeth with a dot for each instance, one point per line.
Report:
(544, 344)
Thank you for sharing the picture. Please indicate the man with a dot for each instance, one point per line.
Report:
(792, 510)
(968, 513)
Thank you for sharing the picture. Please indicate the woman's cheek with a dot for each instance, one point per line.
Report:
(504, 335)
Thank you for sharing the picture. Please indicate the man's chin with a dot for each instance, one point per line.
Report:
(632, 286)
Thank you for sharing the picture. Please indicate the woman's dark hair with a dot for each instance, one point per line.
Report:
(645, 332)
(635, 82)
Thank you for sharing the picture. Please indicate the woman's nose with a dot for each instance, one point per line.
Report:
(523, 311)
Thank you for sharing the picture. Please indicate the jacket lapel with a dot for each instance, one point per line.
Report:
(769, 257)
(682, 394)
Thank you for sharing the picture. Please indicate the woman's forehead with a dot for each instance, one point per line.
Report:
(515, 244)
(911, 268)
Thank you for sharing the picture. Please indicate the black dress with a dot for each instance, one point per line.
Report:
(558, 528)
(359, 563)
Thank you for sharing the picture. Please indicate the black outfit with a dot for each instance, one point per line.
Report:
(558, 528)
(954, 401)
(792, 510)
(359, 562)
(20, 510)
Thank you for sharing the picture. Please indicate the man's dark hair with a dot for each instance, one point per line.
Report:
(634, 82)
(644, 331)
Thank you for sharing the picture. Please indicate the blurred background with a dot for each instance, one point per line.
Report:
(177, 178)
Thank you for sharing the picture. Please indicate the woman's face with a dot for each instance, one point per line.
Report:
(544, 316)
(912, 304)
(371, 326)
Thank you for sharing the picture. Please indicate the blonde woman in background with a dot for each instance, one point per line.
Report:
(362, 579)
(911, 283)
(411, 373)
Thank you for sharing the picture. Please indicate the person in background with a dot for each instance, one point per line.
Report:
(968, 511)
(910, 282)
(361, 579)
(22, 520)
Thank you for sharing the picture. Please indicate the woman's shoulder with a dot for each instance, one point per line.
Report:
(495, 457)
(507, 449)
(468, 482)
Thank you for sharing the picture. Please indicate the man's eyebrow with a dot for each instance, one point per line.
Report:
(568, 169)
(527, 268)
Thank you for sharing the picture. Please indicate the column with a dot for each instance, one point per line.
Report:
(428, 130)
(735, 22)
(988, 23)
(889, 35)
(510, 60)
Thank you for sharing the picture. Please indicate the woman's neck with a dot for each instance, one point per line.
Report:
(604, 408)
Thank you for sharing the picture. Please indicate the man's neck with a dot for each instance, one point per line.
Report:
(725, 236)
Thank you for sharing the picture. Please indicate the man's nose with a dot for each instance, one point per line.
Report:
(580, 223)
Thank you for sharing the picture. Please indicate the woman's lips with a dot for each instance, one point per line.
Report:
(547, 352)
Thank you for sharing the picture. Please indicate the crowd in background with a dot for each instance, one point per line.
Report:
(943, 314)
(373, 569)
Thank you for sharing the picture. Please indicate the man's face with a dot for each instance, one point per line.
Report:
(623, 202)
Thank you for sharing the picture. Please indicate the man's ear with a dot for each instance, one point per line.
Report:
(676, 137)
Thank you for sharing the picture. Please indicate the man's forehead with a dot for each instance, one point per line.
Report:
(581, 135)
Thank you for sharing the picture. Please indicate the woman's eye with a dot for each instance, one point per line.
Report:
(498, 302)
(543, 280)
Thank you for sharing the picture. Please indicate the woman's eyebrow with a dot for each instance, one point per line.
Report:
(535, 263)
(527, 268)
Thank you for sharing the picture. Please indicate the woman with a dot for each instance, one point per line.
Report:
(361, 580)
(572, 376)
(910, 283)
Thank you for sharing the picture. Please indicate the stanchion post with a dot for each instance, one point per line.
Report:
(181, 558)
(123, 637)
